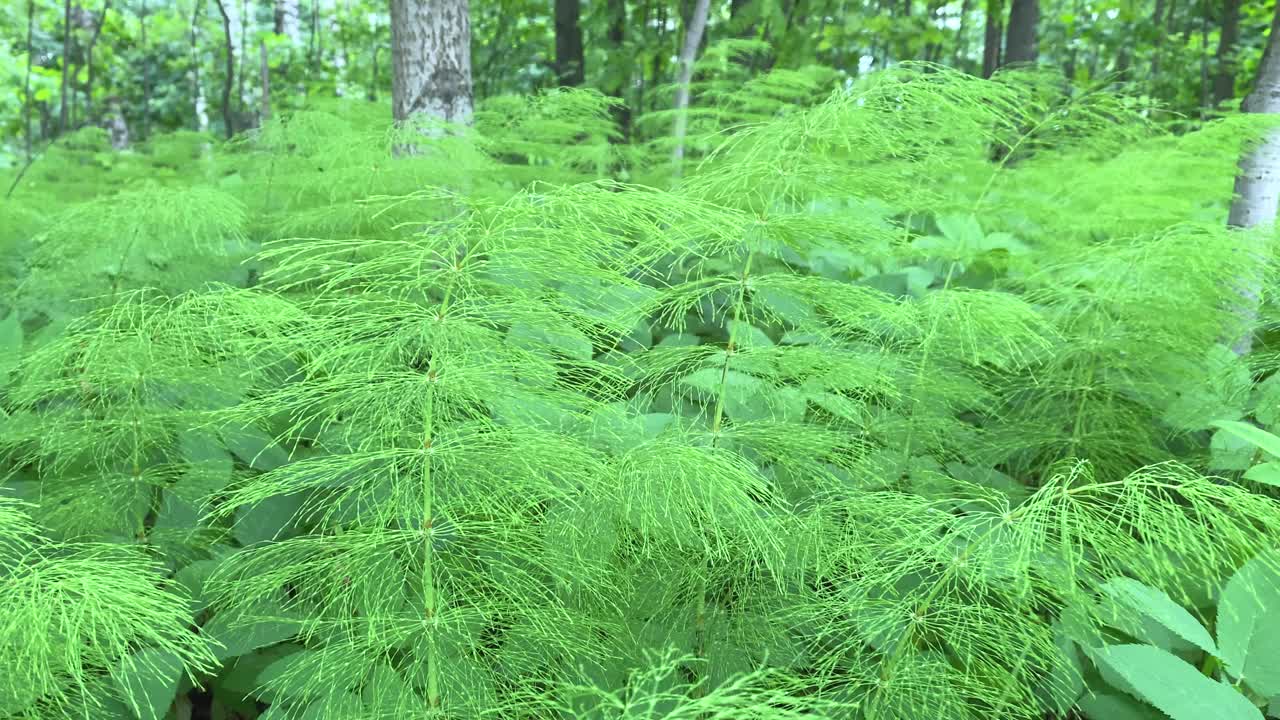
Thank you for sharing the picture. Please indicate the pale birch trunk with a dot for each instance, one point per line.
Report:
(1257, 187)
(688, 55)
(431, 60)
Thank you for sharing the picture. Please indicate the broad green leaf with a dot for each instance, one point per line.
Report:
(746, 335)
(255, 448)
(1113, 706)
(1251, 434)
(1154, 603)
(263, 624)
(1249, 625)
(1267, 473)
(1228, 451)
(268, 520)
(1173, 686)
(147, 680)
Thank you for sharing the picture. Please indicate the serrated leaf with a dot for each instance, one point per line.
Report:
(1173, 686)
(1112, 706)
(1249, 625)
(1154, 603)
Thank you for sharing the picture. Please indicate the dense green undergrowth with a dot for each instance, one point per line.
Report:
(913, 400)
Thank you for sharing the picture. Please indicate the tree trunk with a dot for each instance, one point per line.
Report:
(31, 51)
(617, 10)
(288, 21)
(688, 54)
(1257, 187)
(197, 87)
(228, 113)
(1021, 44)
(991, 55)
(63, 116)
(431, 60)
(570, 63)
(1224, 80)
(962, 46)
(146, 75)
(265, 72)
(88, 55)
(117, 126)
(1157, 48)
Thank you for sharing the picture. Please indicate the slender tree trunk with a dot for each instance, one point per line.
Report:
(1257, 187)
(341, 60)
(265, 76)
(63, 110)
(1224, 80)
(88, 54)
(688, 54)
(617, 10)
(197, 87)
(146, 74)
(962, 45)
(431, 60)
(228, 114)
(1021, 44)
(1206, 87)
(1157, 48)
(240, 25)
(994, 34)
(288, 21)
(117, 126)
(26, 88)
(570, 63)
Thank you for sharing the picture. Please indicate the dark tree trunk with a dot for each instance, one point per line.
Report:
(617, 38)
(228, 113)
(146, 75)
(63, 110)
(88, 55)
(431, 60)
(26, 89)
(1021, 44)
(570, 64)
(991, 48)
(1224, 80)
(265, 70)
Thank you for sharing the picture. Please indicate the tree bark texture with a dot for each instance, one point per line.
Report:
(688, 54)
(228, 113)
(66, 66)
(288, 21)
(993, 37)
(1257, 187)
(431, 60)
(1021, 44)
(1224, 79)
(570, 63)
